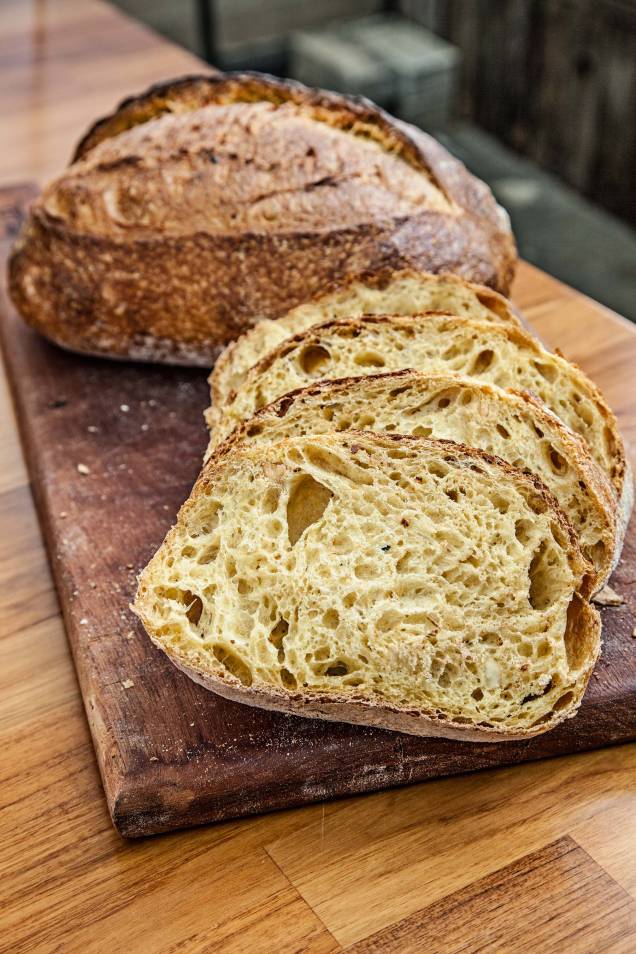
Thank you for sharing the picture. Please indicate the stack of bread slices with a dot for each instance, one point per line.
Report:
(407, 503)
(406, 507)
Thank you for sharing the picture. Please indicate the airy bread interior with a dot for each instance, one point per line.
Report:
(515, 427)
(401, 292)
(495, 353)
(395, 581)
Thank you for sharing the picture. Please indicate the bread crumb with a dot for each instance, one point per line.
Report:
(92, 429)
(83, 469)
(130, 634)
(608, 597)
(127, 684)
(153, 758)
(124, 407)
(145, 427)
(83, 621)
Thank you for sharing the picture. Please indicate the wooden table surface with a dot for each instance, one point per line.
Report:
(540, 857)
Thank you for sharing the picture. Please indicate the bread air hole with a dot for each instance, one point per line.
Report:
(288, 679)
(546, 371)
(447, 675)
(190, 601)
(557, 463)
(563, 701)
(523, 530)
(444, 400)
(544, 584)
(483, 361)
(585, 413)
(502, 504)
(208, 555)
(576, 650)
(307, 502)
(369, 359)
(194, 610)
(437, 470)
(367, 571)
(343, 424)
(558, 535)
(421, 431)
(231, 662)
(365, 421)
(270, 499)
(313, 358)
(277, 635)
(339, 668)
(493, 304)
(596, 554)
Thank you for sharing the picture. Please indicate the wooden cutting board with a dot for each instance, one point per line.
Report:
(171, 754)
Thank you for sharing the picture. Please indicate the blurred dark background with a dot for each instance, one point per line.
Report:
(537, 97)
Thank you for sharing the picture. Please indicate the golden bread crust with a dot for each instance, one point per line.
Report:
(96, 273)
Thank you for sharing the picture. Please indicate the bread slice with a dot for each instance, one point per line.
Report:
(391, 581)
(511, 425)
(498, 354)
(401, 292)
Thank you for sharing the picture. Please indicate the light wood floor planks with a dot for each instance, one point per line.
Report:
(557, 898)
(537, 858)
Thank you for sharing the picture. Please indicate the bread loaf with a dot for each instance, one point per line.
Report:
(515, 427)
(494, 353)
(400, 292)
(211, 200)
(400, 582)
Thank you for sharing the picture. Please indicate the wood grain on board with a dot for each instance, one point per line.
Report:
(170, 753)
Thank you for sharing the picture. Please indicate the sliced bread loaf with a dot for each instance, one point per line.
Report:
(508, 424)
(401, 292)
(390, 581)
(498, 354)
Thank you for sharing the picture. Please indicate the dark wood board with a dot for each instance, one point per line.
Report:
(170, 753)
